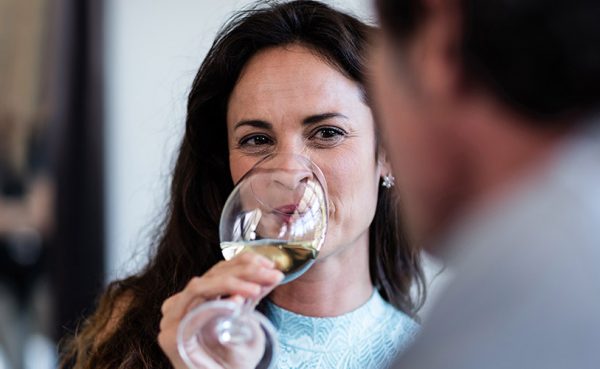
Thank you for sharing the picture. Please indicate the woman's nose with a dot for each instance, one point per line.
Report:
(293, 170)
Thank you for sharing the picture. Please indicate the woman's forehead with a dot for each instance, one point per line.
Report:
(292, 77)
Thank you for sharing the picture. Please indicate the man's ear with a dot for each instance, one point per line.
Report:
(437, 55)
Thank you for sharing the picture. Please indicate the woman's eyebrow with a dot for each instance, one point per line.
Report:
(256, 123)
(321, 117)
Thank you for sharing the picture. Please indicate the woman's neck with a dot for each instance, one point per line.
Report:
(334, 285)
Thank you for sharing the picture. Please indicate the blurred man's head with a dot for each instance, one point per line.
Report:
(473, 93)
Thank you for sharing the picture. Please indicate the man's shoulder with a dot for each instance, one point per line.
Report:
(526, 291)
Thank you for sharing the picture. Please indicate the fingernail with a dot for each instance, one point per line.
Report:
(237, 299)
(268, 262)
(280, 276)
(272, 273)
(263, 260)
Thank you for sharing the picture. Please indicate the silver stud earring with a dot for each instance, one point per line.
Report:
(388, 181)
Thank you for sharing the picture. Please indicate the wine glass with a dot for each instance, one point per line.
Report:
(279, 209)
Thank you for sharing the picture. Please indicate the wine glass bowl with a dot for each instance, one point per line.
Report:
(278, 209)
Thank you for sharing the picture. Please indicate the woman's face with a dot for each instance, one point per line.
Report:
(288, 99)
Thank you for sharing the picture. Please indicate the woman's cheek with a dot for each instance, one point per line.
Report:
(338, 175)
(240, 165)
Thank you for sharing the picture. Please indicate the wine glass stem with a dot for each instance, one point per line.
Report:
(235, 329)
(248, 305)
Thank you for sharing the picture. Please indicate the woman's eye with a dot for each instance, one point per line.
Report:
(255, 140)
(329, 134)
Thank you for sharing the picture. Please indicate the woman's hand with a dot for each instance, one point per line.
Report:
(248, 275)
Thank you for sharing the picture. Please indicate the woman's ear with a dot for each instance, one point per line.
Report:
(384, 166)
(385, 176)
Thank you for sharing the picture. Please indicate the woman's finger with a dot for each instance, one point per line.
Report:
(245, 258)
(202, 290)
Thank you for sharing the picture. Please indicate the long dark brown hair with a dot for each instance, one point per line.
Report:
(188, 242)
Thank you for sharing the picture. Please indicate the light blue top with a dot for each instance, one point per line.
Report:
(366, 338)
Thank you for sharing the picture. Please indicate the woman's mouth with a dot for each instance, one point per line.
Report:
(287, 211)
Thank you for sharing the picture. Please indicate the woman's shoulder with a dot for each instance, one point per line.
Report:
(397, 323)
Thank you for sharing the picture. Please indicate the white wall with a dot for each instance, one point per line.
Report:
(153, 49)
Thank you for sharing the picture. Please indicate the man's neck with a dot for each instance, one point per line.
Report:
(507, 149)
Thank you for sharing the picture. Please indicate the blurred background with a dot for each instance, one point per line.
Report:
(92, 106)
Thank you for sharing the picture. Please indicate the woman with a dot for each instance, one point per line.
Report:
(279, 78)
